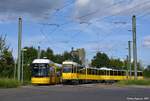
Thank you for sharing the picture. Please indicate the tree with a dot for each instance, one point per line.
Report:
(30, 55)
(138, 66)
(3, 46)
(115, 63)
(148, 68)
(76, 59)
(67, 56)
(146, 72)
(43, 54)
(49, 54)
(100, 60)
(6, 59)
(58, 58)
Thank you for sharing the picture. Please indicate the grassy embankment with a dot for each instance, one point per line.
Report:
(8, 83)
(144, 82)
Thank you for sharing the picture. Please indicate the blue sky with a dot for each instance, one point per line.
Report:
(96, 25)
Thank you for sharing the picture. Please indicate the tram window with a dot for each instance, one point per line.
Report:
(115, 72)
(80, 71)
(79, 68)
(111, 72)
(67, 70)
(94, 71)
(107, 72)
(74, 70)
(98, 72)
(103, 72)
(132, 73)
(139, 73)
(123, 73)
(40, 70)
(89, 71)
(83, 71)
(119, 73)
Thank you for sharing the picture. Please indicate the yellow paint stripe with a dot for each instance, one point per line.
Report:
(40, 80)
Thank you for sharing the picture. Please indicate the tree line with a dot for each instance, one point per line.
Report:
(7, 62)
(102, 60)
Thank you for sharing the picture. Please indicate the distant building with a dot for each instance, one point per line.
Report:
(79, 53)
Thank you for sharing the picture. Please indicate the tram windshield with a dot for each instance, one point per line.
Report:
(40, 70)
(67, 68)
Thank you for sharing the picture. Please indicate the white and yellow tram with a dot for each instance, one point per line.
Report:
(75, 73)
(45, 71)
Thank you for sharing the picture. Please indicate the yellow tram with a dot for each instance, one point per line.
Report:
(70, 72)
(45, 71)
(75, 73)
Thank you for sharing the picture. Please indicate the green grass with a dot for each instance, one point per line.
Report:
(145, 82)
(8, 83)
(25, 83)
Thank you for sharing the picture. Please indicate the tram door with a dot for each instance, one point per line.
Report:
(52, 75)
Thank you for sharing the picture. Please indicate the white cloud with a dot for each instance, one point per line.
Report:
(35, 9)
(83, 2)
(146, 42)
(89, 9)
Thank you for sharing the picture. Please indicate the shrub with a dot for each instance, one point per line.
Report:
(145, 82)
(8, 83)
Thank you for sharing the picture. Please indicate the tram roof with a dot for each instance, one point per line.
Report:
(42, 61)
(105, 68)
(70, 62)
(59, 65)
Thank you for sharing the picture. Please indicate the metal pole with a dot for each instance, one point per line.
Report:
(39, 52)
(86, 66)
(72, 53)
(134, 45)
(129, 58)
(22, 66)
(15, 70)
(19, 46)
